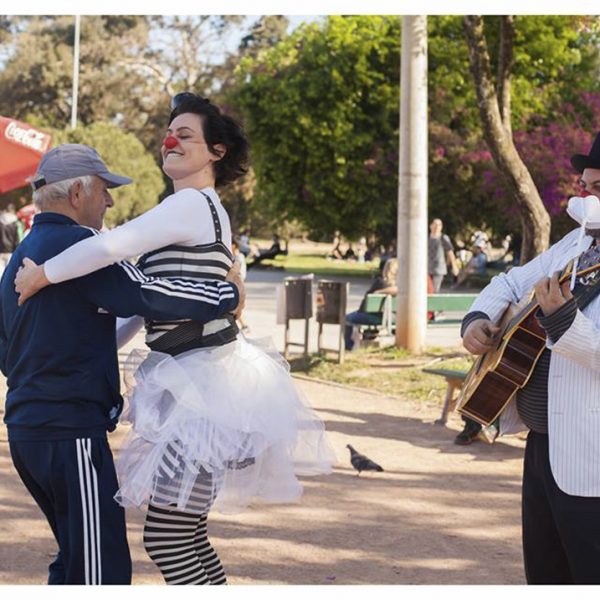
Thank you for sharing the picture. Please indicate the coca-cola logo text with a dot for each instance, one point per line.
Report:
(27, 137)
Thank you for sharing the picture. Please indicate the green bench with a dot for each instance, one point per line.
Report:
(454, 379)
(386, 304)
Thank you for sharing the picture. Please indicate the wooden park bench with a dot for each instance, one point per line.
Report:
(454, 379)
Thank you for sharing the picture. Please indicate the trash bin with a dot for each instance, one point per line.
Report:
(298, 298)
(331, 302)
(298, 305)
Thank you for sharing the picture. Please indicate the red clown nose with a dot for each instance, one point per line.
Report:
(170, 142)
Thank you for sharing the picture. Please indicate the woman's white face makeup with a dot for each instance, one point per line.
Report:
(191, 155)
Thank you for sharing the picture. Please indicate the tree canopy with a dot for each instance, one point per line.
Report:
(554, 80)
(321, 110)
(321, 106)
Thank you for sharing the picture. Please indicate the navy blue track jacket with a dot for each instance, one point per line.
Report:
(59, 350)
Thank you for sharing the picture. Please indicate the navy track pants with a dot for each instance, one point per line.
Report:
(73, 482)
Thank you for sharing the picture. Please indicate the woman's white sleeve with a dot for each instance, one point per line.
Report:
(179, 219)
(127, 329)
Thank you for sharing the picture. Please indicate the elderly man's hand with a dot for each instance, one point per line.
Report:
(30, 279)
(481, 336)
(234, 276)
(551, 295)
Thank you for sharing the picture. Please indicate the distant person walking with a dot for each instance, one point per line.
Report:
(440, 255)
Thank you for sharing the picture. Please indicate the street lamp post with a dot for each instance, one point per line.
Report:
(411, 316)
(75, 74)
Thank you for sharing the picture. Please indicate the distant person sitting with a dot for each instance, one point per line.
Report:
(386, 253)
(349, 254)
(272, 252)
(370, 253)
(336, 252)
(477, 265)
(383, 284)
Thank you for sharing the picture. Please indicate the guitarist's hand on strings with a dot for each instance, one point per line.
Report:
(481, 336)
(551, 295)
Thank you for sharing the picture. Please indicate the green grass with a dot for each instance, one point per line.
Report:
(320, 266)
(390, 370)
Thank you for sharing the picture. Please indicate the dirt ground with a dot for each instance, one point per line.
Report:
(439, 514)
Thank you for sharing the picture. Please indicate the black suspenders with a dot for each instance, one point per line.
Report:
(215, 217)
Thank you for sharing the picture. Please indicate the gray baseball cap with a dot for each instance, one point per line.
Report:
(68, 161)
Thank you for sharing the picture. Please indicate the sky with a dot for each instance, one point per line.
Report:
(310, 7)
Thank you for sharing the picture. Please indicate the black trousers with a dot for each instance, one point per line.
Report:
(73, 482)
(561, 533)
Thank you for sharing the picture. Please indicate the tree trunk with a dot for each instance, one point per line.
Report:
(498, 136)
(505, 63)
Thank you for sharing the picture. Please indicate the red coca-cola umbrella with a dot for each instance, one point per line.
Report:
(21, 148)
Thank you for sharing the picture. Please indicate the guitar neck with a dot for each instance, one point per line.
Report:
(533, 303)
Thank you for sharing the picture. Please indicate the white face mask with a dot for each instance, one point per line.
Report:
(586, 211)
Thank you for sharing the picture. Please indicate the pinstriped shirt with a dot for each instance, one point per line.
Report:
(532, 399)
(573, 376)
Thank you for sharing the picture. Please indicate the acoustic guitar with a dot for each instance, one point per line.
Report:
(497, 375)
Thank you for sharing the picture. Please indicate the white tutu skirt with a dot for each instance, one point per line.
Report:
(217, 428)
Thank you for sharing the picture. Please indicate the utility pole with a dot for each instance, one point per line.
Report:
(411, 316)
(75, 74)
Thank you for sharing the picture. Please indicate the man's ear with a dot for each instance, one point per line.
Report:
(75, 194)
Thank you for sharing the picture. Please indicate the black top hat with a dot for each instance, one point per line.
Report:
(588, 161)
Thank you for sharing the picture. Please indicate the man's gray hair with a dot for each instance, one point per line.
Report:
(56, 192)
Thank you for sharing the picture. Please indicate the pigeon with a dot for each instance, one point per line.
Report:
(361, 462)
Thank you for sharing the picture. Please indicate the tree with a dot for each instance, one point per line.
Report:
(124, 154)
(321, 110)
(130, 67)
(494, 107)
(37, 77)
(556, 57)
(265, 33)
(547, 150)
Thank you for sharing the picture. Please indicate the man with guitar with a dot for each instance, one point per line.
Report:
(560, 401)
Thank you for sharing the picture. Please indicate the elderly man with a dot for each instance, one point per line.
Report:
(560, 403)
(59, 354)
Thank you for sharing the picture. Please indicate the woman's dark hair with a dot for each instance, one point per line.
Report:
(218, 129)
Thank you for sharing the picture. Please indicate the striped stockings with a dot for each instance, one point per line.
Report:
(177, 542)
